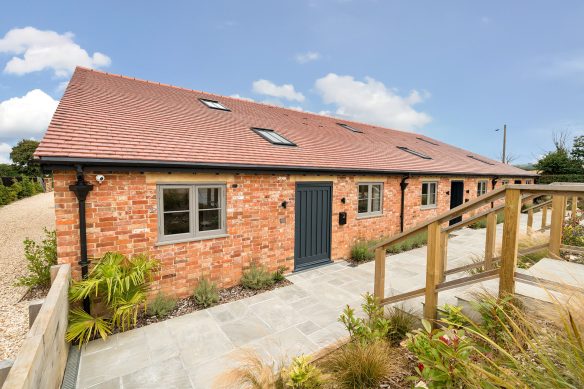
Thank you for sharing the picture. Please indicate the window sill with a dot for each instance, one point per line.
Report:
(186, 240)
(365, 216)
(427, 207)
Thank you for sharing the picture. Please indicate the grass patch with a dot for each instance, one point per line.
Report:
(410, 243)
(482, 223)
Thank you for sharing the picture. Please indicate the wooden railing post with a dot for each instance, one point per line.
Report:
(557, 224)
(510, 242)
(544, 213)
(574, 206)
(379, 281)
(444, 243)
(490, 240)
(529, 221)
(434, 268)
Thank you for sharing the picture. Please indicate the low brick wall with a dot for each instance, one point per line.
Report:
(42, 358)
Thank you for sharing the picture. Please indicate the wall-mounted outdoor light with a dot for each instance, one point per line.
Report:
(343, 200)
(284, 204)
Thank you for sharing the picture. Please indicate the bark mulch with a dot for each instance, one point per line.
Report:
(188, 305)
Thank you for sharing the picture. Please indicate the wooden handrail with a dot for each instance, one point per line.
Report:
(537, 206)
(482, 215)
(514, 197)
(451, 214)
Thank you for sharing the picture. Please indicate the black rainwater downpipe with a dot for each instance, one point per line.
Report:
(81, 189)
(403, 185)
(494, 184)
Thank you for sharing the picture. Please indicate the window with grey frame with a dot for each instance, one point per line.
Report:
(370, 199)
(190, 211)
(429, 194)
(482, 188)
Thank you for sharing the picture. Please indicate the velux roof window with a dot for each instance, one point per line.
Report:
(214, 104)
(353, 129)
(414, 152)
(273, 137)
(480, 160)
(427, 141)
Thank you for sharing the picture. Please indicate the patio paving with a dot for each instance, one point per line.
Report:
(192, 350)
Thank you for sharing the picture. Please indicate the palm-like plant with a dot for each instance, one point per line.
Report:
(122, 284)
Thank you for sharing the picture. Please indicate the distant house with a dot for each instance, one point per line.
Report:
(209, 184)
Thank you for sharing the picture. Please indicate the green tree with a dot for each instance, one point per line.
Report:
(22, 155)
(578, 149)
(7, 170)
(558, 162)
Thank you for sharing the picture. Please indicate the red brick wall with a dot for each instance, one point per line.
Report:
(122, 216)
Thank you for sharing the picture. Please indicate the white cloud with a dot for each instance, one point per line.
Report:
(5, 150)
(285, 91)
(371, 101)
(238, 96)
(310, 56)
(38, 50)
(26, 116)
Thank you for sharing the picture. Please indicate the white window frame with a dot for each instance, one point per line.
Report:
(528, 182)
(429, 205)
(482, 187)
(194, 232)
(369, 213)
(504, 182)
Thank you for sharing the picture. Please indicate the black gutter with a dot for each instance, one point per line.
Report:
(403, 185)
(65, 163)
(81, 189)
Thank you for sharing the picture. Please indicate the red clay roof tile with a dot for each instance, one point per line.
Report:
(115, 117)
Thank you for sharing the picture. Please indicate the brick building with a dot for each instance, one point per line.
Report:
(209, 184)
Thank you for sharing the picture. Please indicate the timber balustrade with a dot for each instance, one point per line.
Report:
(511, 197)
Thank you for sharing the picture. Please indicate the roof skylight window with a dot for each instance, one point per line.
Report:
(414, 152)
(353, 129)
(214, 104)
(480, 160)
(427, 141)
(273, 137)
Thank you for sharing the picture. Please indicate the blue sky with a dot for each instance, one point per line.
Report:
(453, 70)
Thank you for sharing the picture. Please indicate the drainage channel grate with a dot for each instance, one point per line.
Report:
(71, 369)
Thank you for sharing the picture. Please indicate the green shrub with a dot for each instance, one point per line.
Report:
(304, 375)
(119, 282)
(161, 305)
(443, 356)
(413, 242)
(452, 315)
(28, 188)
(206, 293)
(360, 252)
(278, 275)
(359, 365)
(371, 328)
(401, 321)
(482, 223)
(7, 195)
(551, 178)
(16, 190)
(40, 258)
(257, 277)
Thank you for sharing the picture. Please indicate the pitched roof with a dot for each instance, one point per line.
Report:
(119, 119)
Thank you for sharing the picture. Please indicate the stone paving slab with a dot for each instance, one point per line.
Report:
(191, 351)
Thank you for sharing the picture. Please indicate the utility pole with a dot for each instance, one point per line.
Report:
(504, 142)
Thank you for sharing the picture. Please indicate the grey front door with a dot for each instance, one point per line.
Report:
(312, 243)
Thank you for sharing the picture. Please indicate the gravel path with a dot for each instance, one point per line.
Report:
(20, 220)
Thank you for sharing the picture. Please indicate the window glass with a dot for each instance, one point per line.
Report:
(182, 206)
(176, 214)
(370, 199)
(363, 198)
(481, 188)
(375, 198)
(429, 194)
